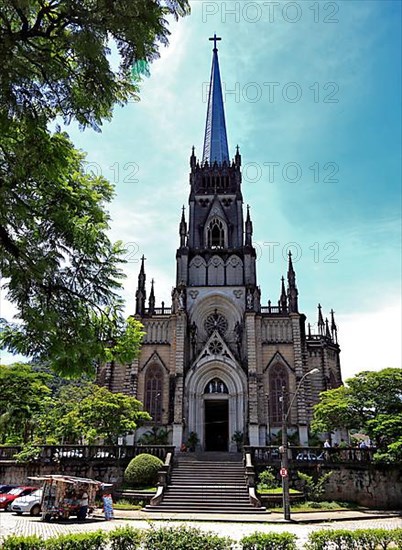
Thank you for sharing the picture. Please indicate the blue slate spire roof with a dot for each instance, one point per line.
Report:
(215, 141)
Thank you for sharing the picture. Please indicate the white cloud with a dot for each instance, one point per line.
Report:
(370, 341)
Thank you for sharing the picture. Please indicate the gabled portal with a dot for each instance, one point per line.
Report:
(215, 396)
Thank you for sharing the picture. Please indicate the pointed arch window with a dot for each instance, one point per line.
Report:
(216, 386)
(216, 234)
(278, 379)
(154, 392)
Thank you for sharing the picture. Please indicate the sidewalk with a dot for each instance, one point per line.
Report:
(274, 517)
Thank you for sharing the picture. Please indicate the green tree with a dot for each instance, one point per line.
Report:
(56, 54)
(23, 399)
(77, 412)
(106, 415)
(87, 413)
(314, 489)
(61, 421)
(155, 436)
(62, 271)
(371, 401)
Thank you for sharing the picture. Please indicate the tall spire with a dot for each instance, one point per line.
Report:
(151, 301)
(283, 301)
(140, 295)
(292, 288)
(334, 328)
(183, 229)
(215, 141)
(327, 332)
(249, 228)
(321, 323)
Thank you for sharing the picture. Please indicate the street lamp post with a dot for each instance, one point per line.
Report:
(284, 450)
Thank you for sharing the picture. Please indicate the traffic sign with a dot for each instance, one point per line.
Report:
(283, 472)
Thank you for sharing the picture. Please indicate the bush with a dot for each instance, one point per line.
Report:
(28, 453)
(314, 490)
(125, 538)
(267, 480)
(143, 470)
(23, 543)
(80, 541)
(184, 538)
(269, 541)
(361, 539)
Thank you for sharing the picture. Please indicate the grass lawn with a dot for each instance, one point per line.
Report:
(319, 507)
(126, 505)
(278, 491)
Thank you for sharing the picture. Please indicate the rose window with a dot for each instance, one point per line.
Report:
(216, 321)
(215, 347)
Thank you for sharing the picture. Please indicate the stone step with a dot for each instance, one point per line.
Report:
(219, 509)
(204, 496)
(210, 465)
(207, 482)
(211, 456)
(213, 478)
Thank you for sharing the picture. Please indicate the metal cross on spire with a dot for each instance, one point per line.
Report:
(215, 140)
(215, 39)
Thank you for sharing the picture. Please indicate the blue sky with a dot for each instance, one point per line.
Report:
(314, 87)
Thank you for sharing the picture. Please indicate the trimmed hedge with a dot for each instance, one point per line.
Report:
(360, 539)
(126, 538)
(269, 541)
(184, 538)
(81, 541)
(98, 540)
(14, 542)
(189, 538)
(143, 470)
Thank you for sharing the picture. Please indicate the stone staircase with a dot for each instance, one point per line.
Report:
(209, 483)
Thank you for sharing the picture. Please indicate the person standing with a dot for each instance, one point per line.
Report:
(82, 512)
(108, 506)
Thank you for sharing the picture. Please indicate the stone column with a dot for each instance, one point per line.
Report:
(253, 430)
(179, 341)
(299, 371)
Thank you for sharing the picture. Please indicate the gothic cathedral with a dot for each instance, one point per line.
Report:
(217, 361)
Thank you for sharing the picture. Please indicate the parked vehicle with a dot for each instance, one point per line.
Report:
(28, 503)
(6, 488)
(7, 499)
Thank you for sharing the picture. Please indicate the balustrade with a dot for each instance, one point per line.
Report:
(312, 455)
(58, 453)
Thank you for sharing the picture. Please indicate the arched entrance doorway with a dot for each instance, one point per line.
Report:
(216, 416)
(215, 403)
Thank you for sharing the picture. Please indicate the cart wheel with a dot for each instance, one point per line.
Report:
(35, 510)
(47, 517)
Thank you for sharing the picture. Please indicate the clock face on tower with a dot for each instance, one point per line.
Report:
(216, 321)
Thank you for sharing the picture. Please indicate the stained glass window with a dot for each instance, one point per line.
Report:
(154, 393)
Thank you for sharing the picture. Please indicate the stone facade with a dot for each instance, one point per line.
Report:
(217, 361)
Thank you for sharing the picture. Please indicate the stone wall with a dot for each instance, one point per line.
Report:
(17, 474)
(374, 486)
(377, 486)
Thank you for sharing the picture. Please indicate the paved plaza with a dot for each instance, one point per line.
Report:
(26, 525)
